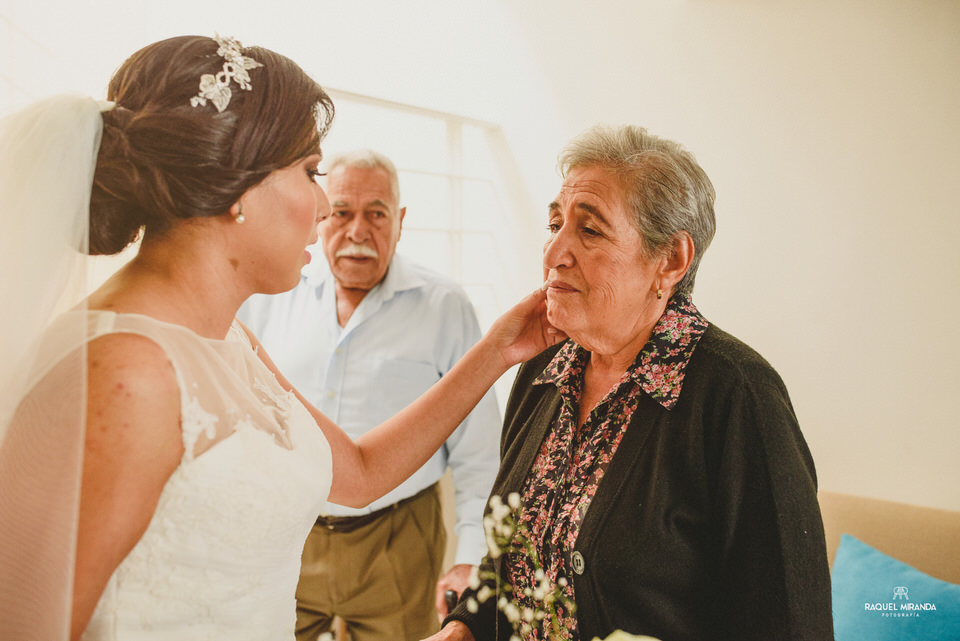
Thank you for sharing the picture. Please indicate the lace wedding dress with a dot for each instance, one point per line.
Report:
(221, 556)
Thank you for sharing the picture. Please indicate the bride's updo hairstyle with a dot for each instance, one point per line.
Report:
(161, 158)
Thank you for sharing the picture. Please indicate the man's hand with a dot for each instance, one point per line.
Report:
(457, 579)
(453, 631)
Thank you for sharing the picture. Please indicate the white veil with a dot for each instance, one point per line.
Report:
(48, 153)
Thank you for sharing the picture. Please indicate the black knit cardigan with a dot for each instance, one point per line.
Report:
(706, 524)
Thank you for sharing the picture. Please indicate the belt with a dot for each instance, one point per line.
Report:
(351, 523)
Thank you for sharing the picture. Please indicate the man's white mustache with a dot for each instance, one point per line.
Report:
(357, 251)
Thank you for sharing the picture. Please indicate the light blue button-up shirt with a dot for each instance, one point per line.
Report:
(407, 332)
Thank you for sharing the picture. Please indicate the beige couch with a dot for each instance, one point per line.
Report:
(926, 538)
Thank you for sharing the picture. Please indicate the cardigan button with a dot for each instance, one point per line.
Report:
(578, 562)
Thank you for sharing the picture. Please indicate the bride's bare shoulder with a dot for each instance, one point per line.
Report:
(133, 394)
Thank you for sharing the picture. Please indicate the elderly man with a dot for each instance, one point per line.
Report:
(361, 341)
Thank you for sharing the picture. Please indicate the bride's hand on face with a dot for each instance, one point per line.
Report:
(524, 331)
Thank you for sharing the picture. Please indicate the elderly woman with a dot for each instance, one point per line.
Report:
(664, 482)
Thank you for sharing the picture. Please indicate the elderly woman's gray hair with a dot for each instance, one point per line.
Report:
(664, 187)
(369, 159)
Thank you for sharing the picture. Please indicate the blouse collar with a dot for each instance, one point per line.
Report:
(659, 367)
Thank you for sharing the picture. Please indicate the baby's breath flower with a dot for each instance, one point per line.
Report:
(484, 593)
(544, 602)
(474, 577)
(498, 510)
(492, 548)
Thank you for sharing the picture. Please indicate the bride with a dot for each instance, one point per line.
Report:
(157, 474)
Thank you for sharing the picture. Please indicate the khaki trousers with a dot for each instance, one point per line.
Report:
(380, 578)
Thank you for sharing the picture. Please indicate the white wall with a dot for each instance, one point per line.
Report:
(830, 131)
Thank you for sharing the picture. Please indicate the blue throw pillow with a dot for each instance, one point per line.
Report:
(878, 598)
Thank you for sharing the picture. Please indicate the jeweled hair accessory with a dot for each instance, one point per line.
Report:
(216, 88)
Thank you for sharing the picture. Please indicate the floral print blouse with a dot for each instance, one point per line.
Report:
(572, 461)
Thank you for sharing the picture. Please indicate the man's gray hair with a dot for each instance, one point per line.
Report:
(369, 159)
(664, 187)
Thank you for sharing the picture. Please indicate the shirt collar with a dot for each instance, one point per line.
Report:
(660, 366)
(400, 277)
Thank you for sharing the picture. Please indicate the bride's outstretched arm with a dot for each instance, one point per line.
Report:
(382, 458)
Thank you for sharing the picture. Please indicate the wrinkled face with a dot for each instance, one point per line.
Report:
(599, 284)
(361, 233)
(282, 213)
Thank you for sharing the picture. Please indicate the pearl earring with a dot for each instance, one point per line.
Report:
(659, 293)
(240, 218)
